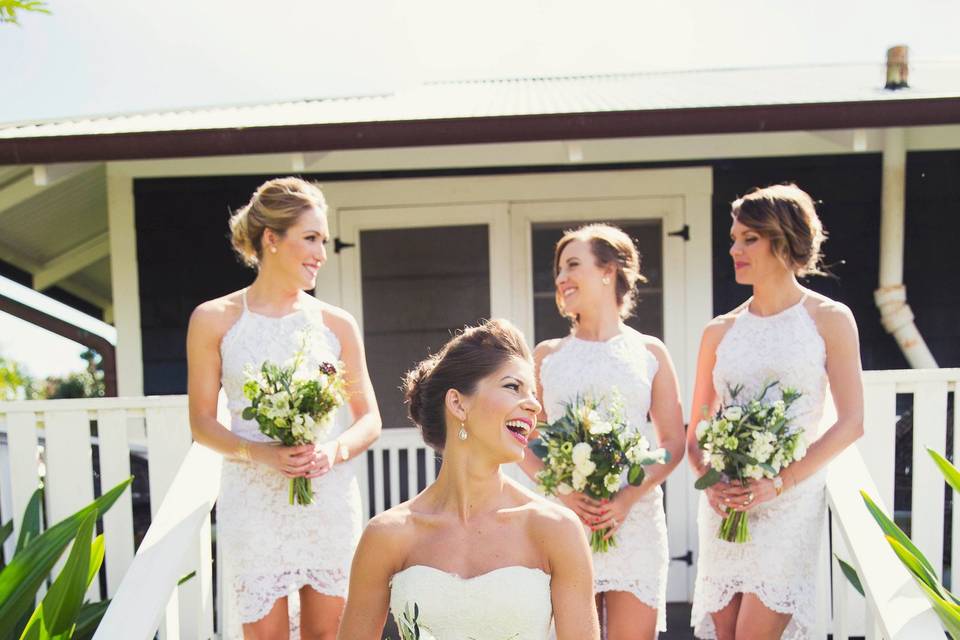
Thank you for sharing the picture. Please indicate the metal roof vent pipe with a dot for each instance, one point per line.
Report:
(898, 68)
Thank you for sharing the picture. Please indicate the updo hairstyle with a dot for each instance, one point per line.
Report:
(786, 215)
(467, 358)
(276, 205)
(609, 245)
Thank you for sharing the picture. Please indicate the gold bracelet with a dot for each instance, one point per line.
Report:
(243, 451)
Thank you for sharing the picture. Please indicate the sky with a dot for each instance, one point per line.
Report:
(42, 352)
(95, 57)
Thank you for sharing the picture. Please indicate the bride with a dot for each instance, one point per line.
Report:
(475, 554)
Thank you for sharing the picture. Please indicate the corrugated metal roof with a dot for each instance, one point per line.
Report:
(540, 96)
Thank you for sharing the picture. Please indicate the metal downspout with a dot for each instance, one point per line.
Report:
(891, 296)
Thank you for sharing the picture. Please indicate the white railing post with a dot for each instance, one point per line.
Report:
(929, 430)
(115, 468)
(24, 463)
(69, 464)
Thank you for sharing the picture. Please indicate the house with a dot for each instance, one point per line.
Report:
(446, 199)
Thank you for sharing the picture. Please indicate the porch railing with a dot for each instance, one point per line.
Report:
(145, 591)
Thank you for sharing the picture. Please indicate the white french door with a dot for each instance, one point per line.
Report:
(425, 257)
(660, 311)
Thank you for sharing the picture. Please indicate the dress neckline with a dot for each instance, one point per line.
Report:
(248, 310)
(783, 311)
(535, 570)
(610, 340)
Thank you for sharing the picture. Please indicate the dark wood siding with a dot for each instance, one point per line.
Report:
(185, 257)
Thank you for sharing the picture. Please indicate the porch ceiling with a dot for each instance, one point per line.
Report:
(58, 232)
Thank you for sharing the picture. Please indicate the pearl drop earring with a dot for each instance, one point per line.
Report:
(605, 280)
(462, 434)
(273, 249)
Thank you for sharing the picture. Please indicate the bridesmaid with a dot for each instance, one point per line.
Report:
(272, 548)
(597, 268)
(765, 588)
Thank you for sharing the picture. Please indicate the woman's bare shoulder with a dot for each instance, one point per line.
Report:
(215, 317)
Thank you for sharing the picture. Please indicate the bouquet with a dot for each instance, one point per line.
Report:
(294, 407)
(588, 450)
(747, 441)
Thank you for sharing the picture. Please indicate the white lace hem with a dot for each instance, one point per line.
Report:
(640, 591)
(714, 595)
(257, 594)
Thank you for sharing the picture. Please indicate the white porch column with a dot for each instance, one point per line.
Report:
(125, 282)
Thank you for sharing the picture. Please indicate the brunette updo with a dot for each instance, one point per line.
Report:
(786, 215)
(467, 358)
(276, 205)
(609, 245)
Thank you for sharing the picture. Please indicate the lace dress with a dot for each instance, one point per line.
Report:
(639, 562)
(272, 548)
(510, 603)
(779, 564)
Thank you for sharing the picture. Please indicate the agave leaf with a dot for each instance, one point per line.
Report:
(950, 473)
(88, 618)
(891, 529)
(6, 531)
(948, 612)
(30, 528)
(852, 576)
(20, 579)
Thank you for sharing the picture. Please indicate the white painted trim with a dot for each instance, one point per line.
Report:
(125, 283)
(647, 149)
(45, 175)
(72, 261)
(353, 221)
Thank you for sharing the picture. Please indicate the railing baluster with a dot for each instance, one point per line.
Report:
(878, 444)
(114, 468)
(24, 465)
(929, 430)
(411, 472)
(69, 471)
(378, 480)
(394, 476)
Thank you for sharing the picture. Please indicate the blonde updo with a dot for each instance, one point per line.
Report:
(275, 205)
(461, 364)
(786, 215)
(609, 245)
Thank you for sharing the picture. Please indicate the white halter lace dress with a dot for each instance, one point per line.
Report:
(270, 547)
(779, 563)
(510, 603)
(639, 563)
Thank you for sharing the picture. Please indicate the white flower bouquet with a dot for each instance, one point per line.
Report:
(588, 451)
(748, 441)
(294, 407)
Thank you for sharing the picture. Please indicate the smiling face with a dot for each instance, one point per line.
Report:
(501, 412)
(579, 279)
(301, 251)
(753, 257)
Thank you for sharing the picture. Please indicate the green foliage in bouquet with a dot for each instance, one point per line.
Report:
(588, 450)
(62, 614)
(945, 603)
(748, 441)
(292, 407)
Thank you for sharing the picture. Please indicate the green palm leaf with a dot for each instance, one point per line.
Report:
(20, 579)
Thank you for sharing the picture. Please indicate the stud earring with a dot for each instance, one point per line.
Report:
(605, 280)
(462, 434)
(273, 249)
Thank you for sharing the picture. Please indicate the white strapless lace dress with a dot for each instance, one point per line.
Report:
(510, 603)
(639, 563)
(271, 548)
(779, 563)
